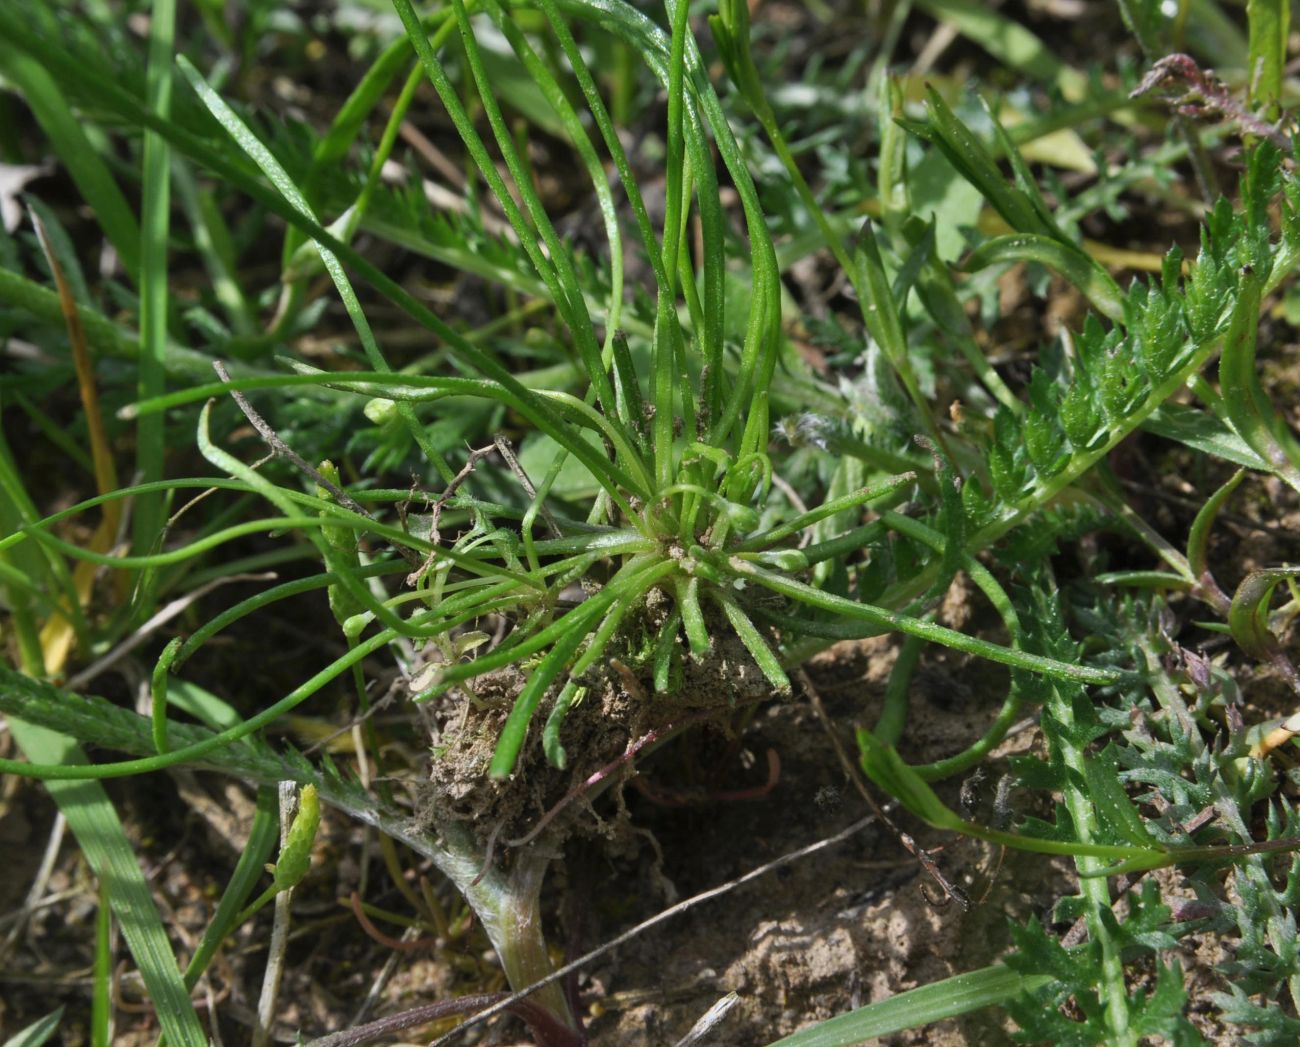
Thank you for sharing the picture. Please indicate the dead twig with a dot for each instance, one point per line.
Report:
(279, 943)
(156, 622)
(951, 891)
(435, 510)
(39, 884)
(282, 450)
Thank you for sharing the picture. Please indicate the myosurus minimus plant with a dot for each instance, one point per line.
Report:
(635, 509)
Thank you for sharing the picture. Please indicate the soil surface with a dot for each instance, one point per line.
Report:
(856, 922)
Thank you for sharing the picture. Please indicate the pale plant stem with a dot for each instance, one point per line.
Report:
(279, 932)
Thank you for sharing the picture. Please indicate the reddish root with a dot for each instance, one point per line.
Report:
(383, 939)
(687, 798)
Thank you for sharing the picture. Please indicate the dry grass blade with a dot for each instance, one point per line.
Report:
(57, 637)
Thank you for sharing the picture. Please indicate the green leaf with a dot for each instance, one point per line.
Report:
(263, 835)
(103, 841)
(1009, 42)
(976, 163)
(1198, 538)
(1115, 809)
(83, 163)
(1201, 431)
(1246, 406)
(155, 225)
(1072, 263)
(763, 655)
(295, 856)
(1143, 579)
(1040, 952)
(1269, 23)
(886, 768)
(556, 755)
(574, 481)
(960, 994)
(890, 620)
(1248, 615)
(38, 1032)
(939, 193)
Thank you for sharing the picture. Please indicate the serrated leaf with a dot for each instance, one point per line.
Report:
(1080, 415)
(1039, 952)
(1113, 806)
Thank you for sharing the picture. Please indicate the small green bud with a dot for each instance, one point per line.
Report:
(295, 855)
(380, 410)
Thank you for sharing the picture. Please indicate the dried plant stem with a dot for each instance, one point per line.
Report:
(279, 932)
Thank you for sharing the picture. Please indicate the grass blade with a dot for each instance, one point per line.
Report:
(38, 1032)
(278, 177)
(1269, 21)
(84, 164)
(1009, 42)
(155, 225)
(102, 335)
(960, 994)
(1090, 278)
(103, 841)
(250, 868)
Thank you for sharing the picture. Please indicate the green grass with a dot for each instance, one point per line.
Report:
(670, 453)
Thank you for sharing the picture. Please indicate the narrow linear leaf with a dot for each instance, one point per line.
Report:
(960, 994)
(84, 165)
(1201, 431)
(892, 620)
(1198, 538)
(251, 867)
(886, 768)
(1248, 410)
(1070, 262)
(1269, 23)
(38, 1032)
(103, 841)
(155, 224)
(1009, 42)
(101, 1004)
